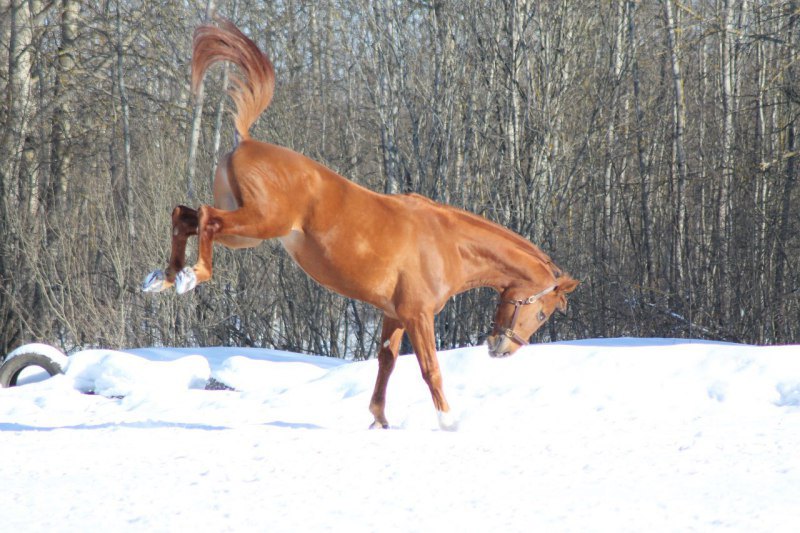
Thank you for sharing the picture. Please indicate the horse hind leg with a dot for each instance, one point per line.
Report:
(209, 223)
(391, 336)
(187, 278)
(185, 223)
(236, 223)
(240, 228)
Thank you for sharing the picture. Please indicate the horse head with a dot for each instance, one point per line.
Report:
(522, 311)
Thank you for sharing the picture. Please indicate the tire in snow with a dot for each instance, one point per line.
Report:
(11, 369)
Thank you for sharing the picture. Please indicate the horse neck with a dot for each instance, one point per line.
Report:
(502, 260)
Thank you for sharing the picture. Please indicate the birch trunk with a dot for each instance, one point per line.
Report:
(722, 244)
(197, 119)
(641, 154)
(679, 122)
(611, 131)
(387, 84)
(56, 194)
(220, 111)
(17, 99)
(31, 172)
(514, 57)
(126, 132)
(782, 296)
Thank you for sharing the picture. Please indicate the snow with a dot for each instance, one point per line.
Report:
(45, 349)
(593, 435)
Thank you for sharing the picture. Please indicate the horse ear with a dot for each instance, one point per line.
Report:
(567, 285)
(564, 287)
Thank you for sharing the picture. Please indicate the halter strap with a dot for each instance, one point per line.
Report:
(535, 297)
(509, 331)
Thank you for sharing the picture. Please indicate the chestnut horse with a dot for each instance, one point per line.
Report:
(404, 254)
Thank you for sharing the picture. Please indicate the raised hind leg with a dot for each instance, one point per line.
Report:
(240, 228)
(188, 277)
(184, 224)
(420, 331)
(391, 335)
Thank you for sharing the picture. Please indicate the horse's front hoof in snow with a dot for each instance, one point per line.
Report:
(379, 425)
(185, 281)
(447, 421)
(155, 281)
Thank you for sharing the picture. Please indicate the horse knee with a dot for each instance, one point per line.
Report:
(184, 221)
(386, 359)
(433, 378)
(207, 221)
(184, 214)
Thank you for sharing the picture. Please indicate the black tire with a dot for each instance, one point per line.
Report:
(214, 384)
(10, 370)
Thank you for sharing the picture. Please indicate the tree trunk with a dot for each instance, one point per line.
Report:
(17, 101)
(220, 111)
(56, 194)
(512, 68)
(197, 119)
(128, 208)
(723, 235)
(387, 86)
(782, 295)
(679, 123)
(641, 155)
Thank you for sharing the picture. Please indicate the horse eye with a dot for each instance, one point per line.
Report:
(542, 316)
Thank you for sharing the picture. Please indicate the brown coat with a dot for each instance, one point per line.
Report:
(404, 254)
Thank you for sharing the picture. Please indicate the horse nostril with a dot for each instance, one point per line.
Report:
(490, 344)
(494, 344)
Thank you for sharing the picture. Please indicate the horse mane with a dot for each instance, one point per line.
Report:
(252, 91)
(518, 241)
(515, 239)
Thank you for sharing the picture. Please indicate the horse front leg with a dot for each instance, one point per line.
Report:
(391, 336)
(420, 331)
(184, 224)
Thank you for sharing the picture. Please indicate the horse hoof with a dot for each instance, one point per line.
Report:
(185, 281)
(447, 421)
(154, 281)
(379, 425)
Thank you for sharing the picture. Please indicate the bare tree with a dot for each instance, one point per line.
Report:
(660, 171)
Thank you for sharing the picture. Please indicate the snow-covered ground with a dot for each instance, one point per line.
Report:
(596, 435)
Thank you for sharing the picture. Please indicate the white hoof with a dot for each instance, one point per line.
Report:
(185, 281)
(154, 281)
(447, 421)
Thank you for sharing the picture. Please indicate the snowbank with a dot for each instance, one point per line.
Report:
(615, 434)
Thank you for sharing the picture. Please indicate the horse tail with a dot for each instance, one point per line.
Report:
(252, 90)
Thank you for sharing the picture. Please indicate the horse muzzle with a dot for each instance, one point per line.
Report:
(499, 346)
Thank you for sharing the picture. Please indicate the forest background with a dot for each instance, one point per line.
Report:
(650, 147)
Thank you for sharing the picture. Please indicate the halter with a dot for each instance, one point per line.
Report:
(509, 331)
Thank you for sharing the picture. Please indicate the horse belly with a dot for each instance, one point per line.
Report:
(349, 268)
